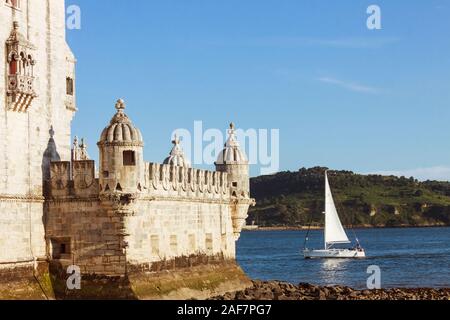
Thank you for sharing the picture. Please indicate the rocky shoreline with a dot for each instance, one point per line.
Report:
(275, 290)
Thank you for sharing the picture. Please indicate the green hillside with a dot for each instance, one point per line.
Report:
(292, 199)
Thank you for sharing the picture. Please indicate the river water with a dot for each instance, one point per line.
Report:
(416, 257)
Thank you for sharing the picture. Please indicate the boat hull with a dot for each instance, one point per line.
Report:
(334, 254)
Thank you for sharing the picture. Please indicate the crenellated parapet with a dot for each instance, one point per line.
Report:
(78, 179)
(169, 180)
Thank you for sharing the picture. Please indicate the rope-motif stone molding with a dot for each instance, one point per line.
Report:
(223, 201)
(22, 198)
(73, 199)
(173, 178)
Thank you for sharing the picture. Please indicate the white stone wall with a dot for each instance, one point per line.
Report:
(159, 230)
(25, 137)
(166, 229)
(21, 231)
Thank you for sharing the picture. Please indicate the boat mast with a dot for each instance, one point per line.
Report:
(326, 195)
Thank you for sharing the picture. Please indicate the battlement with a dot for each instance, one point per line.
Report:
(78, 179)
(168, 180)
(73, 179)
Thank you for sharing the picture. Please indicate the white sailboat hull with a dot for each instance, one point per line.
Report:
(334, 254)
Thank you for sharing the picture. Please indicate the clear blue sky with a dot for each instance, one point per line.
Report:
(342, 96)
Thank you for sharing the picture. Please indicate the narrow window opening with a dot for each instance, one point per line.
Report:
(61, 248)
(129, 158)
(69, 86)
(13, 67)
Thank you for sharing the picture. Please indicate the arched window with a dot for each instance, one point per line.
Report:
(30, 65)
(22, 64)
(13, 66)
(13, 3)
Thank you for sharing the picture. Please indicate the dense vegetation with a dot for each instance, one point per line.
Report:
(291, 199)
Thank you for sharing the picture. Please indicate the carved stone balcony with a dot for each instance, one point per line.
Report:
(20, 92)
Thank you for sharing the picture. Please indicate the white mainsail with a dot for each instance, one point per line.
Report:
(334, 231)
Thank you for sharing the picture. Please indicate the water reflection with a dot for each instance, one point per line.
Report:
(332, 271)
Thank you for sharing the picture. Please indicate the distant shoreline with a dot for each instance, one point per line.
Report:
(305, 228)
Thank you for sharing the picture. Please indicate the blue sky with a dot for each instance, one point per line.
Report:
(342, 96)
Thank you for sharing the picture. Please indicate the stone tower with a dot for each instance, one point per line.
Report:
(37, 104)
(135, 220)
(233, 161)
(121, 155)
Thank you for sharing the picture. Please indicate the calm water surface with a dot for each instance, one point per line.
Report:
(407, 258)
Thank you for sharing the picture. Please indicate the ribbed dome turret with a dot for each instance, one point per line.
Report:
(177, 157)
(121, 130)
(232, 153)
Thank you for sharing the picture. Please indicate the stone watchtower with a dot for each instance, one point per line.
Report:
(145, 223)
(233, 161)
(37, 104)
(121, 155)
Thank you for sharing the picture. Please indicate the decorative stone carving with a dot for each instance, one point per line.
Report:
(83, 174)
(60, 175)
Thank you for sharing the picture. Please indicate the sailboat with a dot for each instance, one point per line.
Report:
(334, 233)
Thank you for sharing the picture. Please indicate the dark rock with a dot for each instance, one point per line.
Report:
(366, 293)
(276, 290)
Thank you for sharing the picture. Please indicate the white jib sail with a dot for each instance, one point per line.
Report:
(334, 231)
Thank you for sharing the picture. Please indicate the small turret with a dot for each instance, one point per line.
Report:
(176, 156)
(234, 161)
(121, 155)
